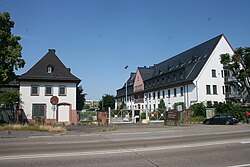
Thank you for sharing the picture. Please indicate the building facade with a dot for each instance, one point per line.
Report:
(195, 75)
(46, 79)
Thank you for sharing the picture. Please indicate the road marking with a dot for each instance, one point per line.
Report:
(243, 165)
(245, 142)
(120, 151)
(73, 142)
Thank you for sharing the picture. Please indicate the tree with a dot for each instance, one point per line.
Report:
(199, 109)
(9, 98)
(239, 65)
(106, 102)
(80, 98)
(161, 106)
(10, 50)
(122, 106)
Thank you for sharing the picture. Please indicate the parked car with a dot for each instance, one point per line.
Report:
(222, 119)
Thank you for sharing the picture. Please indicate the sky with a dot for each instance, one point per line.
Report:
(98, 38)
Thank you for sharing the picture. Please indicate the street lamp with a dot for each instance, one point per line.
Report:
(126, 98)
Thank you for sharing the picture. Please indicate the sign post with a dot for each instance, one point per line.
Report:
(172, 117)
(54, 101)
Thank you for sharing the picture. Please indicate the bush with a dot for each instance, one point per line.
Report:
(198, 109)
(231, 109)
(143, 115)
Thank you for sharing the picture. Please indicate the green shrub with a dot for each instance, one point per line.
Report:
(143, 115)
(199, 109)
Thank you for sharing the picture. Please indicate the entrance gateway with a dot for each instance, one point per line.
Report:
(135, 116)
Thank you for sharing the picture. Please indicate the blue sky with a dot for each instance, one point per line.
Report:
(98, 38)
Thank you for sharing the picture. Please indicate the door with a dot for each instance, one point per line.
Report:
(63, 113)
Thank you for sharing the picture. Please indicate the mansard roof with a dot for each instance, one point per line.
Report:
(57, 70)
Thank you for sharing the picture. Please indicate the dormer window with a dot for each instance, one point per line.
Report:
(49, 69)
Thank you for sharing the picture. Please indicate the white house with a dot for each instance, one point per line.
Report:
(195, 75)
(46, 79)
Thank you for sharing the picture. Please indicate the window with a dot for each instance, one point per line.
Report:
(38, 111)
(182, 90)
(181, 76)
(174, 77)
(149, 96)
(223, 90)
(34, 90)
(214, 73)
(48, 91)
(222, 73)
(175, 92)
(153, 95)
(226, 73)
(158, 95)
(215, 89)
(168, 93)
(228, 89)
(208, 89)
(62, 90)
(50, 69)
(163, 81)
(168, 79)
(163, 94)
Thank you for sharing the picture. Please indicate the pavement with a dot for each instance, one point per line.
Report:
(94, 129)
(86, 129)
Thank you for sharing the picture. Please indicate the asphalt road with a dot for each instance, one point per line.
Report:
(198, 145)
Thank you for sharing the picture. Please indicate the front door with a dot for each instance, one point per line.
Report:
(63, 113)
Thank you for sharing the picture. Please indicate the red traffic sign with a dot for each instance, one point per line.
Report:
(54, 100)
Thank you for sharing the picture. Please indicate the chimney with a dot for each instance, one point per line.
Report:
(52, 50)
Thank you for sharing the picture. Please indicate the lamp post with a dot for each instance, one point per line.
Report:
(126, 96)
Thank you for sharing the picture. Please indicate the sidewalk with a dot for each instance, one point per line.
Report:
(114, 128)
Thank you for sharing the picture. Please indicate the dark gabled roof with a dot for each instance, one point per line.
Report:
(130, 81)
(40, 70)
(192, 60)
(146, 73)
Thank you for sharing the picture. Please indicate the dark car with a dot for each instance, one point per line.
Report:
(222, 119)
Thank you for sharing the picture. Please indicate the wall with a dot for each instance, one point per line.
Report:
(205, 77)
(28, 100)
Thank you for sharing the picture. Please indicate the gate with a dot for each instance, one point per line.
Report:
(157, 116)
(135, 116)
(120, 116)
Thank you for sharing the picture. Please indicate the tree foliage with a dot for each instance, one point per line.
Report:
(231, 109)
(9, 98)
(106, 102)
(80, 98)
(239, 65)
(10, 50)
(199, 109)
(162, 106)
(122, 106)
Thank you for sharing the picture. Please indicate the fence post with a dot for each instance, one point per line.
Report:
(109, 115)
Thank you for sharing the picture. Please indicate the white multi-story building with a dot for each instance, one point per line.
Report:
(46, 79)
(195, 75)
